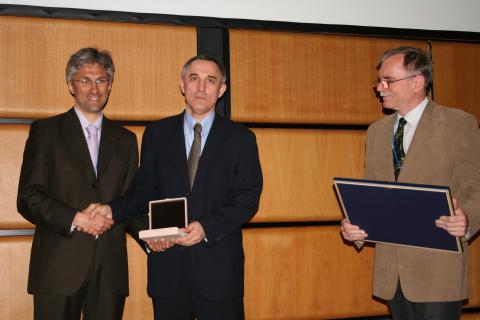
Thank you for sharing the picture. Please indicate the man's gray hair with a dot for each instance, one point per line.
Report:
(90, 56)
(204, 57)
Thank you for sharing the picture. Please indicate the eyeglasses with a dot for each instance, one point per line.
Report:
(386, 83)
(86, 82)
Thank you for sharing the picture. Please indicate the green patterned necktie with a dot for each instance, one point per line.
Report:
(398, 152)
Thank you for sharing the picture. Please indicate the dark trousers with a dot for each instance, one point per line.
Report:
(403, 309)
(97, 303)
(186, 303)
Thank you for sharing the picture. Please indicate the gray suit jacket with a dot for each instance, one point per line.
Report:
(445, 150)
(57, 180)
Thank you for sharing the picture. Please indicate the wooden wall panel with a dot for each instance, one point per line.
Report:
(148, 61)
(298, 167)
(474, 268)
(457, 75)
(12, 144)
(310, 273)
(305, 78)
(16, 303)
(306, 273)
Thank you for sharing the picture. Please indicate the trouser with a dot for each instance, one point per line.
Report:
(403, 309)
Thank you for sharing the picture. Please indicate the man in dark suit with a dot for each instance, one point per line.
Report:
(67, 164)
(202, 274)
(422, 143)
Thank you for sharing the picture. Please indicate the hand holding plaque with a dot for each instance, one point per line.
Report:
(414, 215)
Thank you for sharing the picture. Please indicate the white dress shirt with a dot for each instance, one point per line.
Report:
(413, 117)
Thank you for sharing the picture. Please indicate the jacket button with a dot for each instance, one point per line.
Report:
(93, 186)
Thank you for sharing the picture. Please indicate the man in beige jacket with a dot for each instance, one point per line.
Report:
(423, 143)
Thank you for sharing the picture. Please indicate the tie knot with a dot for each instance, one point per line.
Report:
(92, 130)
(402, 122)
(197, 128)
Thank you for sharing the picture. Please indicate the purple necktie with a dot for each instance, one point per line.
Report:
(92, 142)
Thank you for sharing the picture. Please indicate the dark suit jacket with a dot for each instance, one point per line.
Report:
(224, 196)
(445, 150)
(56, 181)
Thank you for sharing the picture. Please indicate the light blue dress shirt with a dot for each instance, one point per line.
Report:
(189, 123)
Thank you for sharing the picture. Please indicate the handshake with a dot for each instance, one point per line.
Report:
(94, 219)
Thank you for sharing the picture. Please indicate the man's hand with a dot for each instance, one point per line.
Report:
(160, 245)
(93, 226)
(195, 234)
(103, 210)
(352, 232)
(456, 225)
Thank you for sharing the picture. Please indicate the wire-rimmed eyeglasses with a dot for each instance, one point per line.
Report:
(86, 82)
(386, 83)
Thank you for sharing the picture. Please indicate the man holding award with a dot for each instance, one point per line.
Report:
(422, 143)
(213, 163)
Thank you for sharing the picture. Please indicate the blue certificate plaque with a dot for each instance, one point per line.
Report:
(398, 213)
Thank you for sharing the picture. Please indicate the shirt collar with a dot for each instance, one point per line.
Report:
(85, 123)
(413, 117)
(205, 122)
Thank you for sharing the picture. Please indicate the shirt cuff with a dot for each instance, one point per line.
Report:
(468, 234)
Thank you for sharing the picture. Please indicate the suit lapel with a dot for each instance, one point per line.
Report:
(385, 159)
(417, 146)
(176, 150)
(74, 140)
(213, 148)
(107, 146)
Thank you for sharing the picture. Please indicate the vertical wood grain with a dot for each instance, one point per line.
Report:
(457, 75)
(291, 77)
(298, 168)
(148, 60)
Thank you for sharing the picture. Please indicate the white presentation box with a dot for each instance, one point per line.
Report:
(166, 218)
